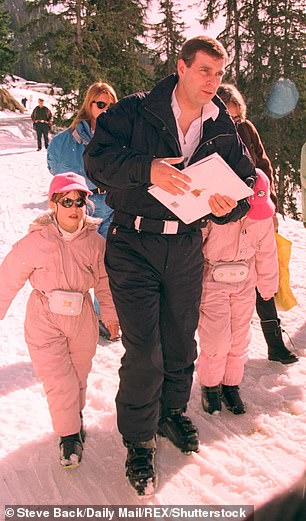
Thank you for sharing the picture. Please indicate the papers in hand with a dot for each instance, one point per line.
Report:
(209, 176)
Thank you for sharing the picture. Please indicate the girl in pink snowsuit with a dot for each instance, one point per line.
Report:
(238, 257)
(63, 257)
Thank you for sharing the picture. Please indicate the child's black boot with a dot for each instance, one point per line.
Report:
(231, 398)
(211, 399)
(71, 448)
(277, 351)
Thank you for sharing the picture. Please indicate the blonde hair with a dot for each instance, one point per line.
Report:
(230, 94)
(97, 88)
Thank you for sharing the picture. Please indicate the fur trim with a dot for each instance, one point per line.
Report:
(46, 218)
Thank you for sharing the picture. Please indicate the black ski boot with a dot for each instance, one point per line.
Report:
(71, 448)
(277, 351)
(211, 399)
(140, 466)
(231, 398)
(180, 430)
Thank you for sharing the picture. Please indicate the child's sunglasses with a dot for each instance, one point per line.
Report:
(101, 104)
(68, 203)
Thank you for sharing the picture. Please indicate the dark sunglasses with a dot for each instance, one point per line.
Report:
(101, 104)
(68, 203)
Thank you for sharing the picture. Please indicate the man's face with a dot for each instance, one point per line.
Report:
(200, 81)
(40, 103)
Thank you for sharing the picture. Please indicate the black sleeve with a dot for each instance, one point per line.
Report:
(240, 161)
(237, 213)
(109, 161)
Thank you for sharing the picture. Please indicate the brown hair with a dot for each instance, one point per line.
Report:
(97, 88)
(230, 94)
(201, 43)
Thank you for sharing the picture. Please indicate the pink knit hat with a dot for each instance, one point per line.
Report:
(66, 183)
(261, 205)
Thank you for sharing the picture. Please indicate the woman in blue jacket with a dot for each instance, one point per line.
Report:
(65, 154)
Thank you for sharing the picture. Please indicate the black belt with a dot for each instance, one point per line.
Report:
(144, 224)
(98, 191)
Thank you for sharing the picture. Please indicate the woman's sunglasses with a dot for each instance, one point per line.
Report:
(68, 203)
(101, 104)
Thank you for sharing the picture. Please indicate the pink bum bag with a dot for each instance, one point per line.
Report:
(230, 272)
(65, 302)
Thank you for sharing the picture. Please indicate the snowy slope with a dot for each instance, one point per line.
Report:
(243, 460)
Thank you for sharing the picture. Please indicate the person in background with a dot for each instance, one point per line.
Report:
(63, 257)
(41, 117)
(154, 260)
(65, 153)
(266, 309)
(238, 257)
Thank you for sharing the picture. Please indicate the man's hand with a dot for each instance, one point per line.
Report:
(167, 177)
(221, 204)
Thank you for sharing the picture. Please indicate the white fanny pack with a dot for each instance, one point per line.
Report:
(230, 272)
(65, 302)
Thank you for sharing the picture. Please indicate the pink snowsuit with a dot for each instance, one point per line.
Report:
(227, 308)
(61, 347)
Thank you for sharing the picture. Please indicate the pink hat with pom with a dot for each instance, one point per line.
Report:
(261, 204)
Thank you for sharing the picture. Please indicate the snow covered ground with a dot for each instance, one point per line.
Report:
(242, 460)
(21, 88)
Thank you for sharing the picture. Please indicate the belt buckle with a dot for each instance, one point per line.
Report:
(137, 223)
(170, 227)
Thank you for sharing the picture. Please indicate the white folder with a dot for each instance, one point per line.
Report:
(209, 176)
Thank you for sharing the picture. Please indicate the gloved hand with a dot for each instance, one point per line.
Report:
(110, 332)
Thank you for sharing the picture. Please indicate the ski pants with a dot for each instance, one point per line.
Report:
(156, 282)
(42, 129)
(225, 328)
(62, 348)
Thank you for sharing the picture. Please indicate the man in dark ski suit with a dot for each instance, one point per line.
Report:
(154, 260)
(41, 117)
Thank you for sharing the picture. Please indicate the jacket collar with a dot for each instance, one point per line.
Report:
(82, 134)
(158, 103)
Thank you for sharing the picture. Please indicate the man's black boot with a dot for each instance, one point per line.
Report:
(141, 466)
(179, 429)
(277, 351)
(231, 398)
